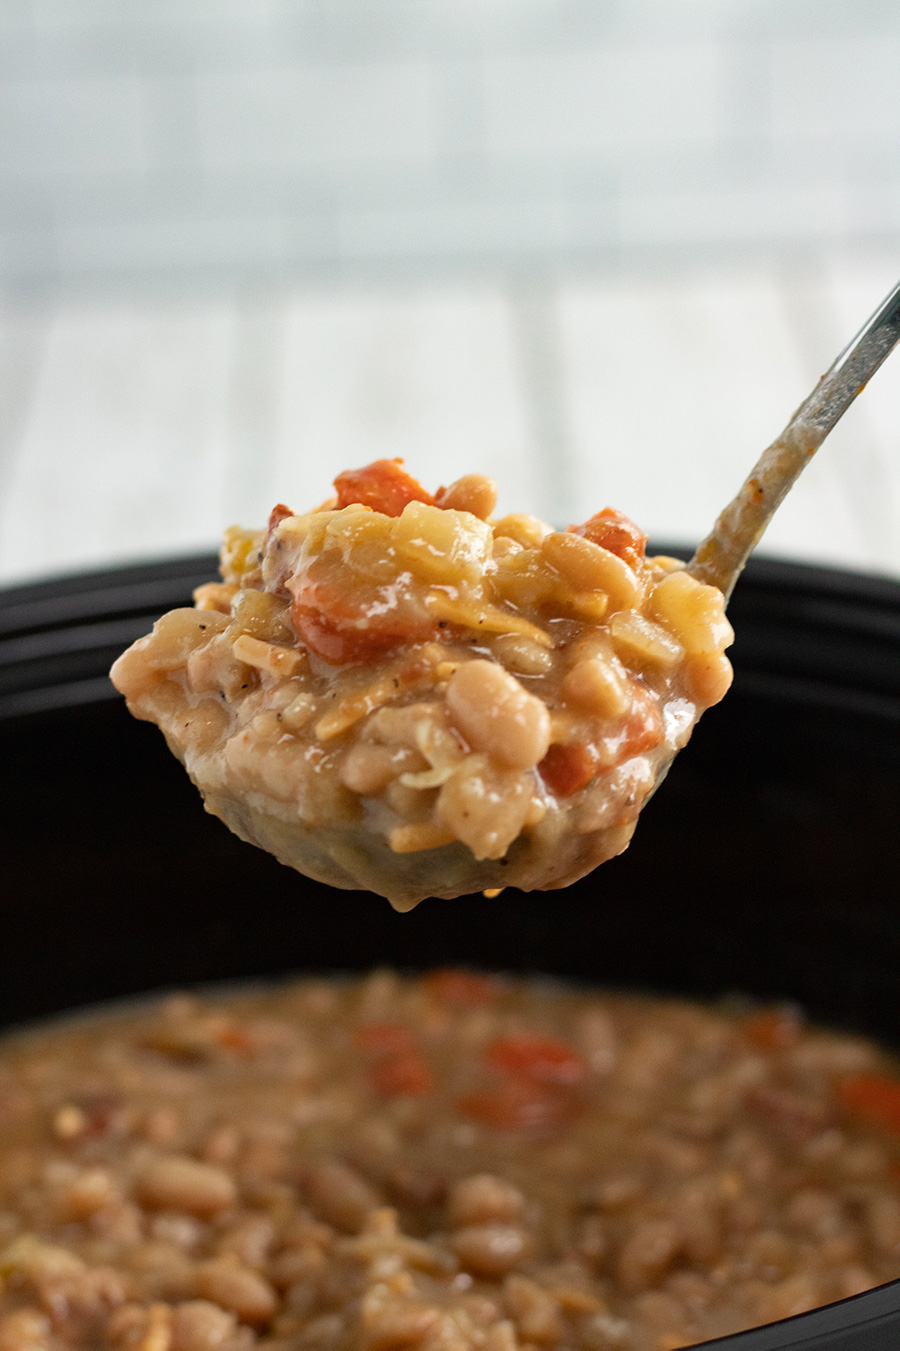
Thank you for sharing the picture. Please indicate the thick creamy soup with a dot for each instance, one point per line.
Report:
(448, 1162)
(406, 692)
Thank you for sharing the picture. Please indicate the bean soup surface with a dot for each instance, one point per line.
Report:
(451, 1161)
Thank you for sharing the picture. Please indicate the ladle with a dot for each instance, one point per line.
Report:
(720, 558)
(236, 764)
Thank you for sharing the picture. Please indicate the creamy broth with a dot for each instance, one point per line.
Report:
(414, 695)
(449, 1161)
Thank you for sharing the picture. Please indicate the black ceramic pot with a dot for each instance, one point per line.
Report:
(769, 863)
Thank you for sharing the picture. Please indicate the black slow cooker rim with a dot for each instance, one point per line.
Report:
(835, 634)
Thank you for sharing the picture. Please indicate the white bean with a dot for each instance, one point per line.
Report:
(484, 806)
(522, 655)
(492, 1250)
(482, 1198)
(497, 716)
(595, 685)
(235, 1288)
(176, 1182)
(589, 567)
(708, 677)
(473, 492)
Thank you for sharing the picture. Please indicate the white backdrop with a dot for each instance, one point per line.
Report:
(599, 249)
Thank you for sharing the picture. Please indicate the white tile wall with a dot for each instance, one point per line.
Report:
(95, 125)
(607, 102)
(837, 91)
(172, 243)
(600, 248)
(334, 116)
(560, 131)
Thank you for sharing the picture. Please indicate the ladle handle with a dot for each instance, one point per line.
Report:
(720, 559)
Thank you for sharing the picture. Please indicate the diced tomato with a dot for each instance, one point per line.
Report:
(772, 1029)
(614, 531)
(873, 1097)
(519, 1105)
(383, 485)
(644, 726)
(546, 1059)
(383, 1037)
(327, 625)
(238, 1042)
(277, 514)
(404, 1074)
(341, 646)
(566, 769)
(401, 1069)
(461, 987)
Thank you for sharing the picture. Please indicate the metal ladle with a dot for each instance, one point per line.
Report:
(720, 558)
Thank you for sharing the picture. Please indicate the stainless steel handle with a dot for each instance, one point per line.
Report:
(720, 558)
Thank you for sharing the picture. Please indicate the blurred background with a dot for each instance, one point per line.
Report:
(599, 249)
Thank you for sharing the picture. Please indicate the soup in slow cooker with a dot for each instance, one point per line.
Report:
(450, 1161)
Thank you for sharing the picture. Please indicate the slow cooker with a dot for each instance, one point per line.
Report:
(768, 864)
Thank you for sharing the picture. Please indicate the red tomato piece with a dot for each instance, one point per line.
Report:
(327, 626)
(772, 1029)
(566, 769)
(546, 1059)
(613, 530)
(520, 1106)
(277, 514)
(238, 1042)
(644, 725)
(461, 987)
(873, 1097)
(383, 485)
(383, 1037)
(404, 1074)
(340, 645)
